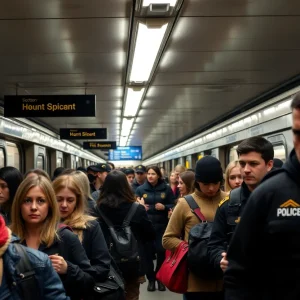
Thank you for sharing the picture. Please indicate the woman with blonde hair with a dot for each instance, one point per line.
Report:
(179, 169)
(85, 186)
(72, 208)
(233, 176)
(35, 218)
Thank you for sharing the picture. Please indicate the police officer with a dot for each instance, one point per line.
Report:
(255, 159)
(140, 177)
(264, 254)
(97, 174)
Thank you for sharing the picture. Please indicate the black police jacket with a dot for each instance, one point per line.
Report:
(264, 253)
(135, 185)
(224, 226)
(161, 193)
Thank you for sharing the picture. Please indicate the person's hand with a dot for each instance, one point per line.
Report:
(140, 200)
(159, 206)
(170, 213)
(59, 264)
(224, 262)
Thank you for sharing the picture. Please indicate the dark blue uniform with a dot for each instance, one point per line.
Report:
(264, 254)
(161, 193)
(224, 225)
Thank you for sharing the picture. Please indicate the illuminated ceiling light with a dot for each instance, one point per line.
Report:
(170, 2)
(126, 127)
(148, 42)
(123, 141)
(133, 100)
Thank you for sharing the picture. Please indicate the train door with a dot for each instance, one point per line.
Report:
(13, 157)
(280, 146)
(2, 154)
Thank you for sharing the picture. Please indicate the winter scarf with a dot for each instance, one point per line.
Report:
(5, 237)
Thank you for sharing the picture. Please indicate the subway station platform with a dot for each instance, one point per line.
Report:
(157, 295)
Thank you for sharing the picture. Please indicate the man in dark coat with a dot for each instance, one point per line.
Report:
(256, 159)
(264, 254)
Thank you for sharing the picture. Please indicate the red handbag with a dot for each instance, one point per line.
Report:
(174, 271)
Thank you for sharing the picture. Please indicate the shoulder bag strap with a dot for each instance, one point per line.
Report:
(105, 219)
(194, 207)
(130, 214)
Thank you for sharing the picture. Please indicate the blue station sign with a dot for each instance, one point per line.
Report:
(126, 153)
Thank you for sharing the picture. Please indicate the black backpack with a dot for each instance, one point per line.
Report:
(197, 257)
(123, 245)
(27, 285)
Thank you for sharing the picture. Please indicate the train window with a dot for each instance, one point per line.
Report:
(58, 162)
(280, 152)
(40, 164)
(2, 158)
(232, 154)
(13, 155)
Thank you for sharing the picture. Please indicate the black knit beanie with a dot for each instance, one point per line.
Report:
(208, 170)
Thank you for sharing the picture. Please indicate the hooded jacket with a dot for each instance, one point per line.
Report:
(264, 254)
(49, 285)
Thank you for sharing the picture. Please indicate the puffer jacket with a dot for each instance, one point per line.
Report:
(49, 285)
(161, 193)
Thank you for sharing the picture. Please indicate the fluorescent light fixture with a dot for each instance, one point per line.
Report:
(133, 100)
(123, 141)
(148, 2)
(126, 127)
(148, 42)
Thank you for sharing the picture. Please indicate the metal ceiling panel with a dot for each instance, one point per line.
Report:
(240, 7)
(220, 78)
(45, 36)
(235, 33)
(15, 9)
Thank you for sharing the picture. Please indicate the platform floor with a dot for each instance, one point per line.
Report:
(157, 295)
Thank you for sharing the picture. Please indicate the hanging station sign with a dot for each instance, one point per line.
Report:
(50, 106)
(82, 133)
(100, 145)
(126, 153)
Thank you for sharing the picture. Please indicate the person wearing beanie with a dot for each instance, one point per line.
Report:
(48, 284)
(207, 195)
(255, 160)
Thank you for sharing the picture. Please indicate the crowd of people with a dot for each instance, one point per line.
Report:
(80, 225)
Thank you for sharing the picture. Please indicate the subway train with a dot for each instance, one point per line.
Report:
(271, 120)
(26, 145)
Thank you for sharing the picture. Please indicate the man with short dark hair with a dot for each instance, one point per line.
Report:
(140, 177)
(255, 159)
(264, 253)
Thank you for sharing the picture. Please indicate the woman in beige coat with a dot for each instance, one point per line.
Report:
(208, 178)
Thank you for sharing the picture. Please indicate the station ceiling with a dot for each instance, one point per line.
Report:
(219, 56)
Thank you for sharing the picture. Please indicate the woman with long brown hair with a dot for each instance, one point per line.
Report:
(115, 202)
